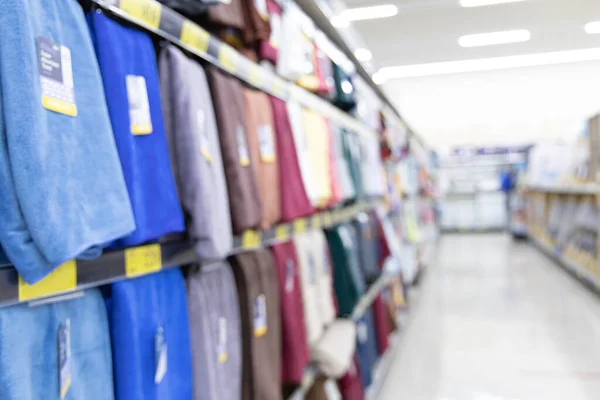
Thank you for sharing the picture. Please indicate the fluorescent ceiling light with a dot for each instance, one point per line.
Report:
(481, 3)
(339, 22)
(379, 78)
(363, 54)
(363, 13)
(489, 64)
(493, 38)
(592, 27)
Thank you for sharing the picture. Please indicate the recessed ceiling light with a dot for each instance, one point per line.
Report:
(379, 78)
(481, 3)
(339, 21)
(592, 27)
(488, 64)
(363, 54)
(492, 38)
(363, 13)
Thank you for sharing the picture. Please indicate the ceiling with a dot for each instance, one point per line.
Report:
(427, 31)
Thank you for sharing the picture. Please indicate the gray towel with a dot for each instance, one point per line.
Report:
(195, 152)
(215, 334)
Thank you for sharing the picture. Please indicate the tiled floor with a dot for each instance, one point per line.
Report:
(496, 320)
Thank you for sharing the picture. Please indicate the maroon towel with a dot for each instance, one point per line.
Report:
(350, 385)
(269, 48)
(382, 324)
(294, 200)
(295, 350)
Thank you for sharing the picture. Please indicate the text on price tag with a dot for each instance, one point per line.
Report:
(145, 11)
(62, 279)
(142, 260)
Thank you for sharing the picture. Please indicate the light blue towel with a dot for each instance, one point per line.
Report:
(61, 183)
(127, 61)
(29, 350)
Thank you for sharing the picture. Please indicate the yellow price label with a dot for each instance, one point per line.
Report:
(327, 219)
(278, 87)
(282, 232)
(256, 76)
(228, 58)
(307, 380)
(251, 239)
(316, 221)
(62, 279)
(299, 225)
(142, 260)
(194, 36)
(145, 11)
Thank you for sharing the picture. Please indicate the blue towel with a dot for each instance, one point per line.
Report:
(54, 168)
(124, 52)
(29, 350)
(147, 315)
(366, 347)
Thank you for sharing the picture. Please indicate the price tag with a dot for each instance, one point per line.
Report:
(278, 87)
(228, 58)
(62, 279)
(194, 36)
(308, 379)
(282, 232)
(299, 225)
(327, 220)
(251, 239)
(142, 260)
(145, 11)
(316, 221)
(256, 76)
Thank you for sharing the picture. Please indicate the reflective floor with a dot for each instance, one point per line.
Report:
(497, 320)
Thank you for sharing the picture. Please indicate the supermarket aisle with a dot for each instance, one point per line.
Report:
(496, 320)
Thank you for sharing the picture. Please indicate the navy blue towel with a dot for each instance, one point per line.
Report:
(366, 346)
(128, 65)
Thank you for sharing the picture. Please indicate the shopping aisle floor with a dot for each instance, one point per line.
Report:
(497, 320)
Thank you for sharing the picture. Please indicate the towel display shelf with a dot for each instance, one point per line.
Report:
(133, 262)
(312, 372)
(168, 24)
(565, 188)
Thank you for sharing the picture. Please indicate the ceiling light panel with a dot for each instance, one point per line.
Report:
(494, 38)
(363, 54)
(364, 13)
(592, 27)
(482, 3)
(488, 64)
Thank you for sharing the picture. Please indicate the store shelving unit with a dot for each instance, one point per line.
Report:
(142, 260)
(312, 372)
(177, 29)
(565, 188)
(579, 271)
(580, 262)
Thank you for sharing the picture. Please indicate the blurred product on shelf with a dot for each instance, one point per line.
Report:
(256, 278)
(294, 332)
(150, 336)
(318, 145)
(70, 335)
(244, 198)
(130, 75)
(58, 153)
(294, 198)
(263, 156)
(366, 347)
(215, 333)
(190, 125)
